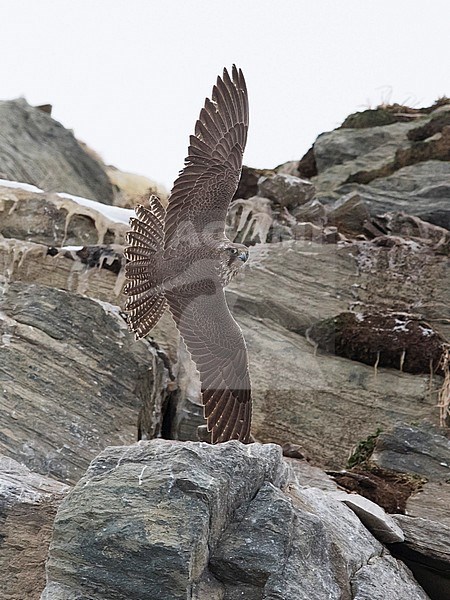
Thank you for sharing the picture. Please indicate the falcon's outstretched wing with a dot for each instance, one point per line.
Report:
(195, 222)
(217, 346)
(202, 193)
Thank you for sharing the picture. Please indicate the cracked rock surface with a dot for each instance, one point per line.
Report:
(28, 504)
(72, 380)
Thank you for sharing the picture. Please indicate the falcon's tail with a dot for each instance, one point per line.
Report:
(146, 301)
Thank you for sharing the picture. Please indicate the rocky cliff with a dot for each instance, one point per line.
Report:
(345, 306)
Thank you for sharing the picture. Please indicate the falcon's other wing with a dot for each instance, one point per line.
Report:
(217, 346)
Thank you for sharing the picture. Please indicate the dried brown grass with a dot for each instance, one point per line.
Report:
(444, 392)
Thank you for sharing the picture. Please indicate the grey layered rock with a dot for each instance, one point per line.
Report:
(187, 415)
(289, 286)
(426, 552)
(312, 211)
(256, 555)
(322, 415)
(422, 451)
(344, 152)
(404, 276)
(278, 276)
(420, 190)
(432, 502)
(36, 149)
(411, 227)
(307, 475)
(380, 524)
(180, 521)
(398, 166)
(73, 380)
(385, 577)
(163, 553)
(28, 504)
(349, 214)
(286, 190)
(248, 182)
(286, 288)
(348, 153)
(94, 271)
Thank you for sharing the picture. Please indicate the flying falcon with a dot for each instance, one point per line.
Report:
(181, 259)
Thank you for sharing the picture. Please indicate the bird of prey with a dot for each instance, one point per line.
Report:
(181, 259)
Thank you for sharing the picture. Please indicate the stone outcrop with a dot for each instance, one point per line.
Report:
(38, 150)
(271, 321)
(286, 190)
(418, 457)
(394, 166)
(181, 521)
(327, 279)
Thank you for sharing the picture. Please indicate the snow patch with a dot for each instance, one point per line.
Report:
(71, 248)
(113, 213)
(426, 331)
(27, 187)
(401, 325)
(293, 180)
(115, 311)
(6, 339)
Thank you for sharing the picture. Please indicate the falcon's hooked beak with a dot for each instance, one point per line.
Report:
(243, 256)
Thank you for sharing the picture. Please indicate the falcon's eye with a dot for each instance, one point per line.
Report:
(234, 251)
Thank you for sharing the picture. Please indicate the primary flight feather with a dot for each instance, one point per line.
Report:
(181, 259)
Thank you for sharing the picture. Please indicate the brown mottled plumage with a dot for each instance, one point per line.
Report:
(181, 259)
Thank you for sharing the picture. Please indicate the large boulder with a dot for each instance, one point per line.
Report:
(414, 461)
(181, 521)
(285, 190)
(379, 149)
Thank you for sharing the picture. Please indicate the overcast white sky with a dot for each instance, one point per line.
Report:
(130, 76)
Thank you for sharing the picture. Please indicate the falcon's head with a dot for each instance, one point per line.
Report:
(232, 258)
